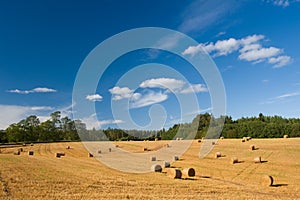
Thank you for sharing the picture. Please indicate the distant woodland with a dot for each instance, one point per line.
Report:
(59, 128)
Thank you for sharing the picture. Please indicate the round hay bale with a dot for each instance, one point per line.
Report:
(199, 140)
(222, 138)
(156, 168)
(243, 140)
(213, 143)
(109, 149)
(99, 151)
(24, 144)
(177, 138)
(90, 155)
(156, 139)
(188, 172)
(218, 155)
(152, 158)
(167, 164)
(252, 147)
(17, 152)
(31, 144)
(20, 149)
(174, 173)
(248, 138)
(257, 159)
(30, 153)
(57, 155)
(68, 147)
(176, 158)
(145, 149)
(285, 136)
(234, 160)
(267, 180)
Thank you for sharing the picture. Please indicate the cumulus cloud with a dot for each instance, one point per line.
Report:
(259, 54)
(195, 88)
(164, 83)
(35, 90)
(250, 49)
(280, 61)
(148, 96)
(148, 99)
(122, 93)
(94, 97)
(13, 114)
(92, 122)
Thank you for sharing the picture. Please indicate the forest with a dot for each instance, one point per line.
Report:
(59, 128)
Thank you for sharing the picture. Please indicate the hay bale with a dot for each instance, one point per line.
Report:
(174, 173)
(156, 168)
(252, 147)
(109, 149)
(152, 158)
(234, 160)
(243, 140)
(145, 149)
(188, 172)
(156, 139)
(57, 155)
(99, 151)
(218, 155)
(213, 143)
(90, 155)
(167, 164)
(267, 180)
(176, 158)
(248, 138)
(117, 146)
(17, 152)
(31, 144)
(30, 153)
(24, 144)
(222, 138)
(257, 159)
(285, 136)
(20, 149)
(68, 147)
(177, 138)
(199, 140)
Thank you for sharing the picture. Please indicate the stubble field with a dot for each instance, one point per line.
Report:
(77, 176)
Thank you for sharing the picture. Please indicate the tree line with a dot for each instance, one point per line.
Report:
(59, 128)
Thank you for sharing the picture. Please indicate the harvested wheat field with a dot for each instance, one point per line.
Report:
(78, 176)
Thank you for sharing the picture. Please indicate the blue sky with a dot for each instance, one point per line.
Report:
(254, 44)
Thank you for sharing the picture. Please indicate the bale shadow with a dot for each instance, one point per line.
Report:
(204, 176)
(263, 161)
(279, 185)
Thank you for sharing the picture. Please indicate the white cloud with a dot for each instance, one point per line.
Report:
(282, 3)
(249, 48)
(225, 47)
(35, 90)
(164, 83)
(287, 95)
(94, 97)
(92, 122)
(201, 14)
(259, 54)
(281, 97)
(280, 61)
(122, 93)
(148, 99)
(13, 114)
(196, 88)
